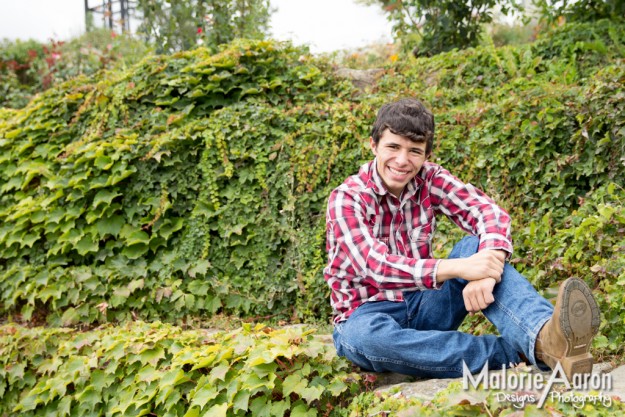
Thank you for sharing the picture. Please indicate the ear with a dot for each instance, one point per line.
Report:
(373, 145)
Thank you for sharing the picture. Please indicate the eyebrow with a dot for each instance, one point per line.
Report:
(411, 149)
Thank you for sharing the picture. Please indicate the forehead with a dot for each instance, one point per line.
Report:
(389, 137)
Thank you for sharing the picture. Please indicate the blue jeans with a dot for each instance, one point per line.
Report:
(419, 335)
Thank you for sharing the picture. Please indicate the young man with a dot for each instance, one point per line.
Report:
(397, 309)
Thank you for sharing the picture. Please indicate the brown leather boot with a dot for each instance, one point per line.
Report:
(567, 337)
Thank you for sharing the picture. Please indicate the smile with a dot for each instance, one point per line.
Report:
(398, 172)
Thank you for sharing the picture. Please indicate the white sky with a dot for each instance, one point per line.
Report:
(325, 25)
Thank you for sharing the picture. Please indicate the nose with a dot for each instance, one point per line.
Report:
(402, 157)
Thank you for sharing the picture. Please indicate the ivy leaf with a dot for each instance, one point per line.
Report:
(311, 394)
(135, 251)
(260, 408)
(204, 395)
(192, 412)
(148, 373)
(70, 317)
(293, 383)
(104, 196)
(170, 226)
(86, 245)
(200, 267)
(241, 401)
(103, 162)
(302, 410)
(220, 410)
(136, 284)
(337, 387)
(278, 408)
(88, 398)
(152, 356)
(110, 226)
(64, 407)
(219, 372)
(138, 236)
(173, 378)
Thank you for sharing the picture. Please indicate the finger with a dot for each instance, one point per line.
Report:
(481, 302)
(468, 302)
(488, 300)
(475, 303)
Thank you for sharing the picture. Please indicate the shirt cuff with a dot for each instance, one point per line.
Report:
(495, 241)
(435, 284)
(425, 274)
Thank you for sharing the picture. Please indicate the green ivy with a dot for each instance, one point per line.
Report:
(195, 184)
(157, 369)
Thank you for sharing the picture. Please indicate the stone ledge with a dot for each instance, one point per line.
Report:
(426, 389)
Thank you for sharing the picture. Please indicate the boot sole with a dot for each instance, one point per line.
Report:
(579, 321)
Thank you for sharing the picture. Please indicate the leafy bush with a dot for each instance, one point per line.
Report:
(142, 369)
(133, 194)
(589, 244)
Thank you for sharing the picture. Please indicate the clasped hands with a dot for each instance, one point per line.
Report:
(483, 270)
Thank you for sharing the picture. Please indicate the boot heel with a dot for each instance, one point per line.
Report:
(580, 364)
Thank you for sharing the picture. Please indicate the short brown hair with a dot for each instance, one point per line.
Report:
(408, 118)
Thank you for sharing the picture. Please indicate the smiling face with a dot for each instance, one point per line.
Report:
(398, 160)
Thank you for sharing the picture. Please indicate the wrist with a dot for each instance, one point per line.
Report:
(447, 269)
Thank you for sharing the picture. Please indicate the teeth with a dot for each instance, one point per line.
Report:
(396, 172)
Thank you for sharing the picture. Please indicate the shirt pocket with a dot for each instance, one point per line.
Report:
(421, 238)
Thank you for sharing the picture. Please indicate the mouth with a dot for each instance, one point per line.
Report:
(399, 172)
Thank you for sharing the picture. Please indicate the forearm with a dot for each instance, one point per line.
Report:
(383, 270)
(483, 264)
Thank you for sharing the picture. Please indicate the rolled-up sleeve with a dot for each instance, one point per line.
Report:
(472, 210)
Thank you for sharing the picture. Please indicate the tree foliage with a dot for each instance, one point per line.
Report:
(30, 67)
(581, 10)
(432, 27)
(180, 25)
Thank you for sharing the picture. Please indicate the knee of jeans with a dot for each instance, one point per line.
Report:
(369, 332)
(467, 246)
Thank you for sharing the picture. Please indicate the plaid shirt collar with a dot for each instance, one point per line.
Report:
(375, 182)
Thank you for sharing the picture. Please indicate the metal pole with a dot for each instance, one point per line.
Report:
(87, 15)
(110, 6)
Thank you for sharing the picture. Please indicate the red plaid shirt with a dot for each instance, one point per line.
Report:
(379, 246)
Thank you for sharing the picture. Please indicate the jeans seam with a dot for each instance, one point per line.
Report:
(513, 317)
(529, 332)
(397, 362)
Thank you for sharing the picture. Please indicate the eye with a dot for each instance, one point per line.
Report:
(417, 151)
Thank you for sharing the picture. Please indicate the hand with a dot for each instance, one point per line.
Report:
(478, 294)
(487, 263)
(484, 264)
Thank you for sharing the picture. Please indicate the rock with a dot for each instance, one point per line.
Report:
(618, 383)
(426, 389)
(360, 78)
